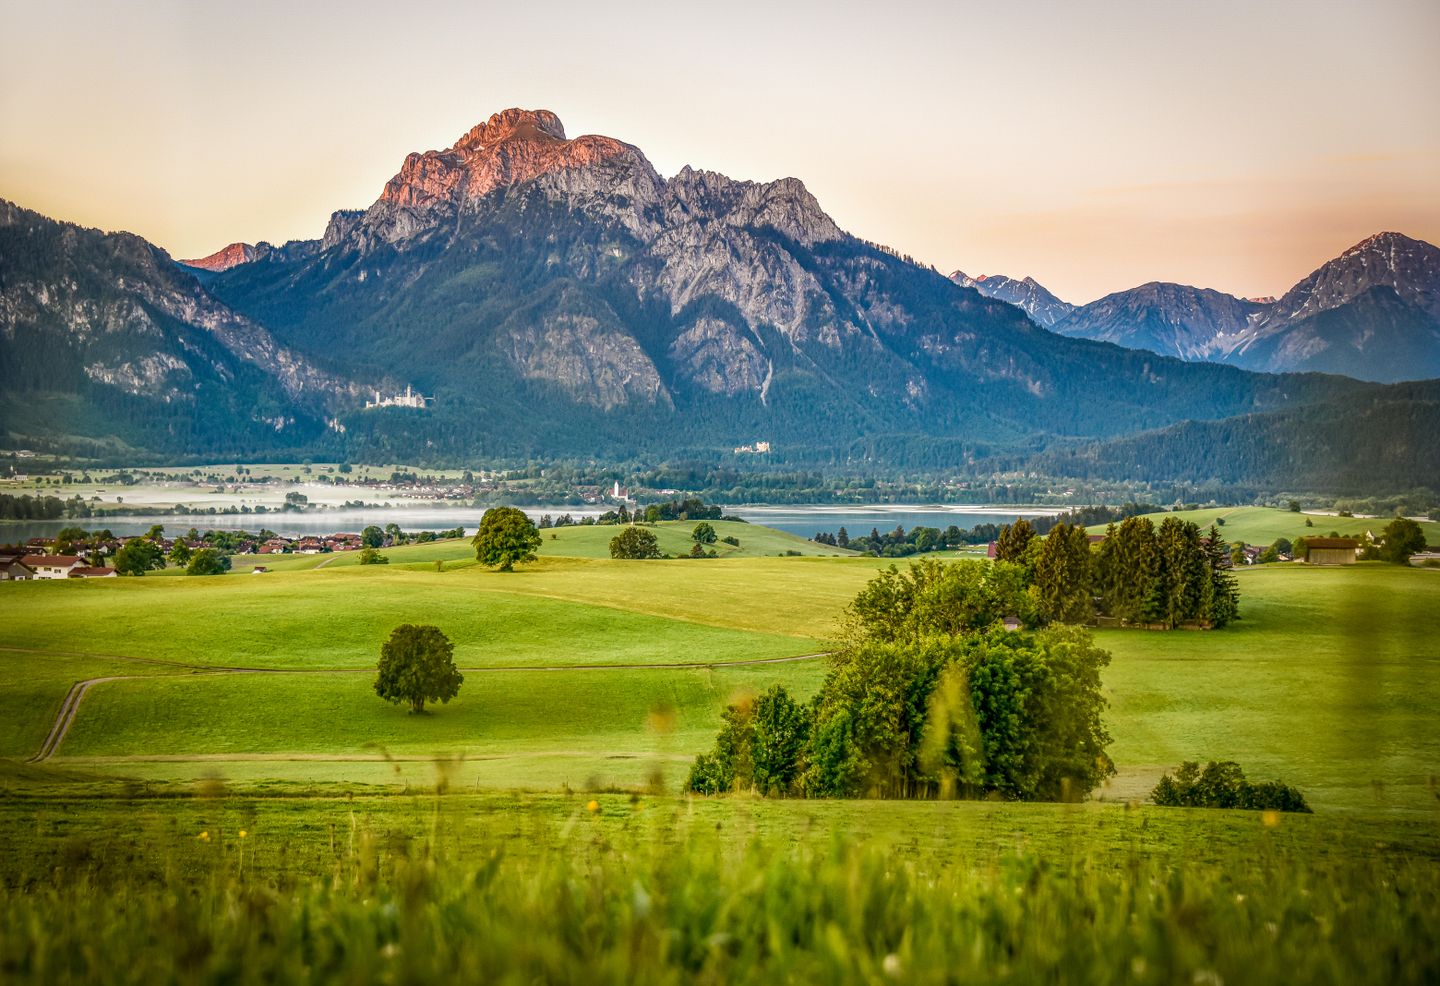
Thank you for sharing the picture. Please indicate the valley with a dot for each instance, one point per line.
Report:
(1341, 650)
(509, 494)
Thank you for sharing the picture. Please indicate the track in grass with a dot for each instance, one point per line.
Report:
(70, 707)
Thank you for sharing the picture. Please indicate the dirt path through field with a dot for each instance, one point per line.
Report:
(70, 707)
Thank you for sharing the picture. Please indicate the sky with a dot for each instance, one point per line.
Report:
(1092, 145)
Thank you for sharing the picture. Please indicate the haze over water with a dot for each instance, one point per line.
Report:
(803, 520)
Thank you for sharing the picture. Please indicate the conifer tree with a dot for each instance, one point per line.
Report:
(1224, 595)
(1014, 539)
(1062, 575)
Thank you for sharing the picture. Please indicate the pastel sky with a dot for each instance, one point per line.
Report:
(1093, 145)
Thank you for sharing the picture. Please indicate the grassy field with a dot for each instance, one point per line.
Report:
(1327, 682)
(550, 889)
(338, 619)
(1263, 525)
(199, 824)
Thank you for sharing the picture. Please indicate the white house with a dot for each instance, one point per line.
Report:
(52, 566)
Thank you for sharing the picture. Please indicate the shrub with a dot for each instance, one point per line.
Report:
(1223, 785)
(370, 556)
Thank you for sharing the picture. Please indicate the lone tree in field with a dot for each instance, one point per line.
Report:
(704, 533)
(417, 665)
(506, 536)
(634, 542)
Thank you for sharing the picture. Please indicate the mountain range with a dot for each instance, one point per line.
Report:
(556, 296)
(1372, 313)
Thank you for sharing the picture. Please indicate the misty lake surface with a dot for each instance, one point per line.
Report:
(804, 520)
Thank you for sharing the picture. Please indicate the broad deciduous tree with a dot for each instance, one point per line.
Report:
(417, 665)
(634, 542)
(506, 537)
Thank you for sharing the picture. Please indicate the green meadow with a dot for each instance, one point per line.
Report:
(1327, 681)
(533, 828)
(567, 887)
(1264, 525)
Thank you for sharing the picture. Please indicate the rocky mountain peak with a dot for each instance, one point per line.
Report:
(1027, 294)
(226, 257)
(514, 124)
(784, 205)
(513, 146)
(1408, 266)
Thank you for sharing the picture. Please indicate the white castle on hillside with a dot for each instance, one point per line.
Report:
(407, 399)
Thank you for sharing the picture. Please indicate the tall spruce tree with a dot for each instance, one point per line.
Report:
(1132, 572)
(1062, 575)
(1014, 539)
(1224, 595)
(1182, 571)
(1105, 576)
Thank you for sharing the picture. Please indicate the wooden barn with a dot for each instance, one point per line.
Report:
(1331, 551)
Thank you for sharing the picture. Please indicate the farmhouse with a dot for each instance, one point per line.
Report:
(1331, 551)
(14, 569)
(53, 566)
(93, 572)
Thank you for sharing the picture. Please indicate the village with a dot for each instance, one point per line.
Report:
(77, 554)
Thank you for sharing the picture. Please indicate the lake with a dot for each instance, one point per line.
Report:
(804, 520)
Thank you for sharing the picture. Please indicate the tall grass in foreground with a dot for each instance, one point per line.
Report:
(666, 902)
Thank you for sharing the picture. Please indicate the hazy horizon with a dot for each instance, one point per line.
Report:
(1094, 148)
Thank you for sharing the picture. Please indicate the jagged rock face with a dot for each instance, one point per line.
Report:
(717, 240)
(342, 224)
(598, 364)
(1375, 335)
(720, 359)
(1411, 268)
(1372, 313)
(1173, 319)
(1026, 294)
(223, 259)
(114, 311)
(699, 235)
(512, 148)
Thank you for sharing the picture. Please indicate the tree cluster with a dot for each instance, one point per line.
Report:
(1165, 576)
(929, 697)
(27, 507)
(208, 561)
(1400, 539)
(901, 544)
(1223, 785)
